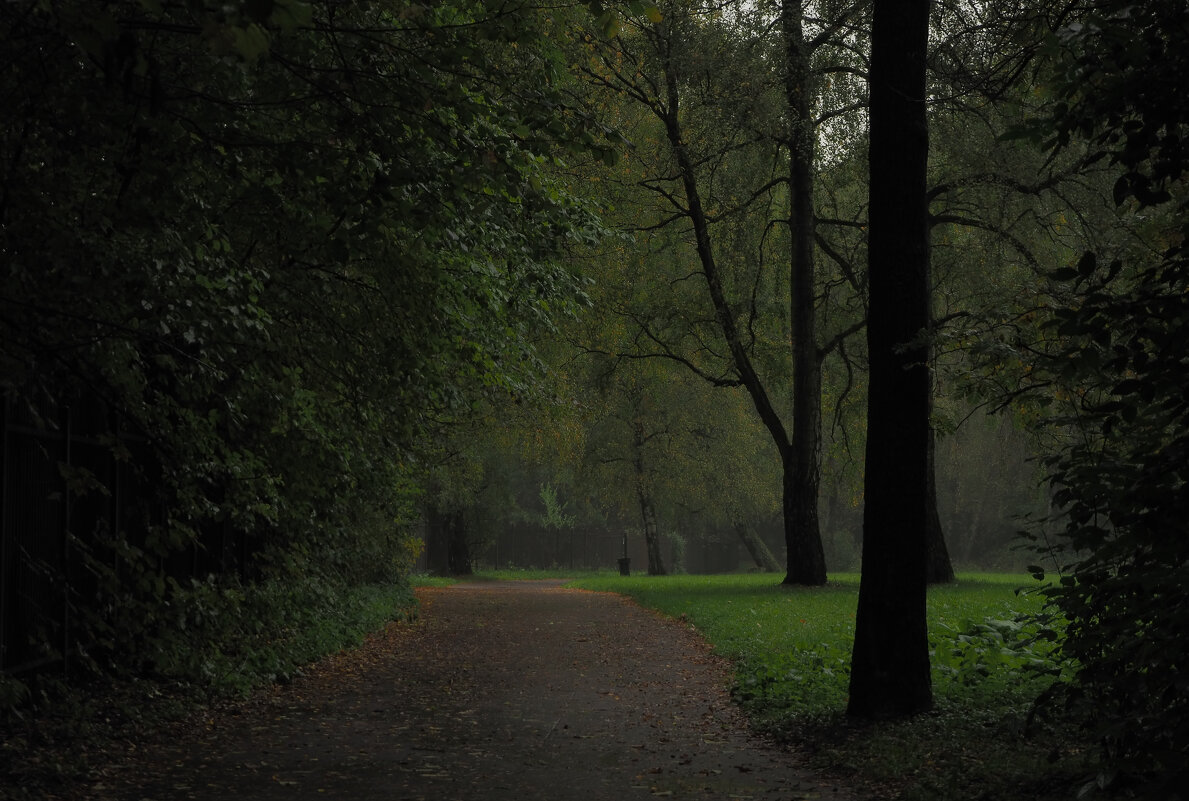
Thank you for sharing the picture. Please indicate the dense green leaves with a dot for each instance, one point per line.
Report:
(281, 243)
(1123, 333)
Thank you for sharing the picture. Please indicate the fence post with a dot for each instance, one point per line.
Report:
(67, 455)
(5, 545)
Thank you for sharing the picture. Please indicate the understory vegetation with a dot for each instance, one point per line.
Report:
(791, 651)
(236, 640)
(59, 729)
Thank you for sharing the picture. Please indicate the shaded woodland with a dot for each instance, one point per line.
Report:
(301, 296)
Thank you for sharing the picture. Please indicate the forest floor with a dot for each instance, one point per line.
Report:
(499, 690)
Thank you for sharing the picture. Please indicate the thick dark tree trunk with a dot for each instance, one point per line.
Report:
(890, 661)
(939, 568)
(449, 548)
(802, 468)
(759, 551)
(458, 544)
(805, 555)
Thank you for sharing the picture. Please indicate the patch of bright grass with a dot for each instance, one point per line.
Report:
(791, 648)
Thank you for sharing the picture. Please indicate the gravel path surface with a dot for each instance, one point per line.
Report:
(503, 690)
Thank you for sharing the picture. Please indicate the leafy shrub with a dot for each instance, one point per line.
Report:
(801, 680)
(1018, 647)
(230, 639)
(1119, 334)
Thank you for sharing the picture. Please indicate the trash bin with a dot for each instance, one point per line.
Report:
(625, 566)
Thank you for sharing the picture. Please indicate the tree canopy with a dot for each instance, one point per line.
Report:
(276, 245)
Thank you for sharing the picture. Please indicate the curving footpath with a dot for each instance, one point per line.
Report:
(523, 691)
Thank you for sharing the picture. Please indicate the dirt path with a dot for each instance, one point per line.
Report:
(518, 691)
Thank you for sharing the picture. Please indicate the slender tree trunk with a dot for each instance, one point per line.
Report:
(652, 537)
(759, 551)
(806, 556)
(890, 661)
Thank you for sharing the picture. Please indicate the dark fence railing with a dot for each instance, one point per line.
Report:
(38, 453)
(528, 547)
(63, 492)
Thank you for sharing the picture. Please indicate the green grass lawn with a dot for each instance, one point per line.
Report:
(791, 649)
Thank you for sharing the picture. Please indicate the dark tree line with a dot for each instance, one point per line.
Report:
(280, 245)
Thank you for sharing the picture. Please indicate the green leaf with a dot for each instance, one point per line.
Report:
(292, 14)
(609, 24)
(250, 42)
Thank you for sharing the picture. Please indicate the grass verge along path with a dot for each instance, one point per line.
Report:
(791, 651)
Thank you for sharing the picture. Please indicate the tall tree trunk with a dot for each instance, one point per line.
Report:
(806, 556)
(452, 527)
(890, 660)
(759, 551)
(939, 568)
(652, 537)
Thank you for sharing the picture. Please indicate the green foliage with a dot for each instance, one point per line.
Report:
(976, 652)
(555, 515)
(801, 680)
(231, 639)
(1120, 331)
(282, 244)
(792, 646)
(677, 543)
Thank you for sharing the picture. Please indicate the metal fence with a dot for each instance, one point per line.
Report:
(64, 492)
(39, 454)
(527, 547)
